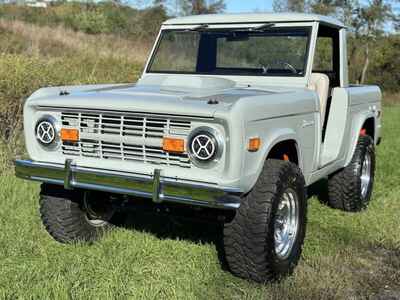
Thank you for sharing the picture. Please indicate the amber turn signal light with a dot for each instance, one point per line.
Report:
(173, 145)
(69, 135)
(254, 144)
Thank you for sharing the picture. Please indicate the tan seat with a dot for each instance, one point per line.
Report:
(320, 84)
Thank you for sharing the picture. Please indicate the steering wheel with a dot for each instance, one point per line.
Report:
(290, 67)
(285, 64)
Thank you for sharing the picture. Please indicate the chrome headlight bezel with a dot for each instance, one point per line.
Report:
(210, 135)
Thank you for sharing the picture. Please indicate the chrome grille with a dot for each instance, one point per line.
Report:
(125, 137)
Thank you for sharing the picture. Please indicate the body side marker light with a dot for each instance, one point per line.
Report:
(254, 144)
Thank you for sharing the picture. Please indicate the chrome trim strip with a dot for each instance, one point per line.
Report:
(154, 187)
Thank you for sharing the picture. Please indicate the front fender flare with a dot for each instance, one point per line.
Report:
(270, 141)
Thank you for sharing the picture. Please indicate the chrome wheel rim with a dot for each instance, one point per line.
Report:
(365, 175)
(95, 217)
(96, 222)
(286, 224)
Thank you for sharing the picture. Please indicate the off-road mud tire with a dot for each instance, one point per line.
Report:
(249, 237)
(64, 217)
(344, 187)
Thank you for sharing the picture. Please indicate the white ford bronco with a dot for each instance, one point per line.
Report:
(234, 116)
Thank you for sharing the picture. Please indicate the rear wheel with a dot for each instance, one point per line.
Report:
(264, 240)
(350, 189)
(71, 216)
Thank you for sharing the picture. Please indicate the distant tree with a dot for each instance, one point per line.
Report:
(325, 7)
(150, 20)
(159, 3)
(198, 7)
(368, 24)
(366, 20)
(289, 5)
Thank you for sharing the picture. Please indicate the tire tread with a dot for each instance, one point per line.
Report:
(247, 239)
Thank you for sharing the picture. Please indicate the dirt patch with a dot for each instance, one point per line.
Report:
(377, 272)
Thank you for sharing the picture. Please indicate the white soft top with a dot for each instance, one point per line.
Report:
(242, 18)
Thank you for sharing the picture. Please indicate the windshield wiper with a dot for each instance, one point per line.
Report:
(263, 27)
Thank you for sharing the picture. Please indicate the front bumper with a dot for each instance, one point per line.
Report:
(156, 187)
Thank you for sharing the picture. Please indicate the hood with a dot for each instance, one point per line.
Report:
(178, 95)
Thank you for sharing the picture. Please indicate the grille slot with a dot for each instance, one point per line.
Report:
(125, 137)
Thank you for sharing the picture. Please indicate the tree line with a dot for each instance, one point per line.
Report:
(371, 23)
(374, 42)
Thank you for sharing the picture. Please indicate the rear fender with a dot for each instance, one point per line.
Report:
(358, 122)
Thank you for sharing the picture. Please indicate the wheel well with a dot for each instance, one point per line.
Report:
(285, 150)
(368, 127)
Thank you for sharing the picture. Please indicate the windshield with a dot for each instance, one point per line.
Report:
(274, 52)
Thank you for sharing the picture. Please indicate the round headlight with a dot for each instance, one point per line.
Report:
(45, 132)
(205, 145)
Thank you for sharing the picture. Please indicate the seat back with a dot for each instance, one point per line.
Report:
(320, 84)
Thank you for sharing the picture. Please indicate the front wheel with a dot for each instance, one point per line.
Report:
(264, 240)
(71, 216)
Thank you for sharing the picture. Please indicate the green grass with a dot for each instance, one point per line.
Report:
(345, 255)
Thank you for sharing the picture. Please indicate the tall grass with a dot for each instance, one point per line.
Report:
(32, 57)
(92, 17)
(58, 41)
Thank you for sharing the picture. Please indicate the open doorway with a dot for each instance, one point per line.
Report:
(326, 69)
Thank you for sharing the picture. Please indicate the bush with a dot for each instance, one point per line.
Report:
(384, 69)
(384, 61)
(92, 22)
(93, 18)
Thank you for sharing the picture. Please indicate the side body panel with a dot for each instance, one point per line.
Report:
(364, 102)
(272, 121)
(337, 125)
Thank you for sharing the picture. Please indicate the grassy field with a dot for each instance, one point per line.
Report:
(346, 256)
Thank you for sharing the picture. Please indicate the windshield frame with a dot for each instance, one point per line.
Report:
(307, 27)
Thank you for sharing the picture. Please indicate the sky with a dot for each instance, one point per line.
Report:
(238, 6)
(234, 6)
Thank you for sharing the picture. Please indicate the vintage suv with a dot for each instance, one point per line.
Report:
(234, 116)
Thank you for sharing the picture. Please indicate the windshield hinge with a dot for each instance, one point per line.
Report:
(263, 27)
(199, 27)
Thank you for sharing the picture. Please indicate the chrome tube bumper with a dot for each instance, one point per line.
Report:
(156, 187)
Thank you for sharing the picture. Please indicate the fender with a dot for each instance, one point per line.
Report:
(275, 137)
(289, 135)
(358, 121)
